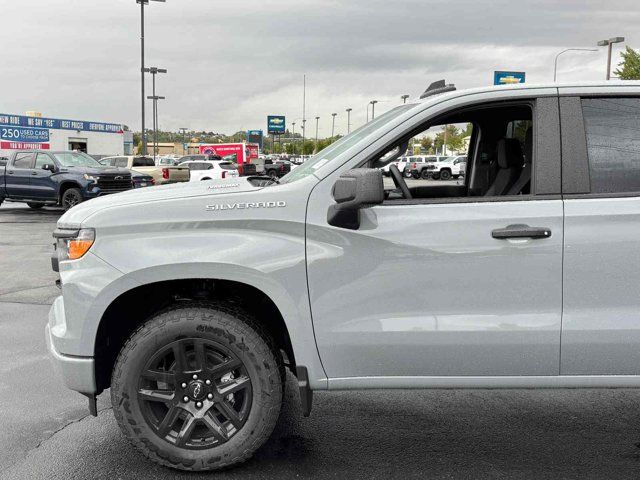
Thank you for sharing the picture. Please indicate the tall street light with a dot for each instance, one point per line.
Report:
(373, 109)
(317, 121)
(293, 136)
(555, 62)
(304, 132)
(609, 43)
(142, 4)
(154, 71)
(349, 120)
(155, 99)
(404, 98)
(333, 123)
(184, 139)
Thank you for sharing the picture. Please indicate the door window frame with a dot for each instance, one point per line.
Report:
(28, 154)
(576, 173)
(546, 151)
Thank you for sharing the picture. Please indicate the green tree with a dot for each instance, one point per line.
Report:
(427, 144)
(629, 68)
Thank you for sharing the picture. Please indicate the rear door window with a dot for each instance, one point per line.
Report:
(612, 126)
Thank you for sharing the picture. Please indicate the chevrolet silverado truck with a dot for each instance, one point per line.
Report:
(533, 260)
(162, 174)
(42, 177)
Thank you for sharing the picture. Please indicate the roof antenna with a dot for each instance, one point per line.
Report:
(438, 87)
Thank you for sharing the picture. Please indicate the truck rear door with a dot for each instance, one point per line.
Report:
(18, 175)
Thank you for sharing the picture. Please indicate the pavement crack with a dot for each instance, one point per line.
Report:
(58, 430)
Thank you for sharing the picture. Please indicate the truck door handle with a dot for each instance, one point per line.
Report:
(34, 173)
(520, 231)
(10, 172)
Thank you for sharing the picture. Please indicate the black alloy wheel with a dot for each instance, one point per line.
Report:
(195, 393)
(445, 175)
(71, 198)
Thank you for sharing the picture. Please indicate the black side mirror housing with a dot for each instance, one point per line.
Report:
(354, 190)
(50, 167)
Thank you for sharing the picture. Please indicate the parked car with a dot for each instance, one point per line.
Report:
(43, 177)
(244, 170)
(276, 168)
(424, 167)
(161, 174)
(533, 266)
(141, 179)
(451, 167)
(210, 169)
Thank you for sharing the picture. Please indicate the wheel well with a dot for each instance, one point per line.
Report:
(134, 307)
(66, 186)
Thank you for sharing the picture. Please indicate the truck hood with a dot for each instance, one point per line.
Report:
(74, 217)
(95, 170)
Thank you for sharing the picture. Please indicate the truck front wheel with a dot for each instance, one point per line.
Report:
(198, 387)
(71, 197)
(445, 175)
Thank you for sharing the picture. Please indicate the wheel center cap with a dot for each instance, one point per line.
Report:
(196, 390)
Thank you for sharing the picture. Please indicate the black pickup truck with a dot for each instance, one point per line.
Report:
(41, 177)
(276, 169)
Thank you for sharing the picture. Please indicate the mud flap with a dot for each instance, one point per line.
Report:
(306, 394)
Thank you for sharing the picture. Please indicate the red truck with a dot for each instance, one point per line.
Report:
(246, 155)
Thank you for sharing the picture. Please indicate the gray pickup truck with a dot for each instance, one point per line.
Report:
(529, 283)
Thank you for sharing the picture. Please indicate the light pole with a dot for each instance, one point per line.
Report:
(142, 4)
(373, 109)
(304, 131)
(293, 137)
(609, 43)
(404, 98)
(317, 121)
(333, 124)
(155, 99)
(555, 62)
(154, 71)
(184, 140)
(349, 120)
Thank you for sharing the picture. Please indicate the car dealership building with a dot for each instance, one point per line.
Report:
(19, 132)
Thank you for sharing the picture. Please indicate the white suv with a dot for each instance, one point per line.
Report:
(450, 167)
(210, 169)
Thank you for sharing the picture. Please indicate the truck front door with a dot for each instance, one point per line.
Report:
(18, 175)
(42, 183)
(431, 286)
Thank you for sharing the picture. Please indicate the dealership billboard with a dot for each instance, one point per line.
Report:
(276, 124)
(255, 136)
(507, 78)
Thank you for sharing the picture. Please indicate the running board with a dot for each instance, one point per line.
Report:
(306, 394)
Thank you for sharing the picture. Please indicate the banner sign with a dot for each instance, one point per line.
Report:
(21, 134)
(24, 146)
(276, 124)
(57, 124)
(508, 78)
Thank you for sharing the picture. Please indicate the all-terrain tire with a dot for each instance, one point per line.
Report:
(425, 174)
(445, 175)
(71, 197)
(236, 331)
(35, 206)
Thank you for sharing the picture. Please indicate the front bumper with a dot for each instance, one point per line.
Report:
(78, 373)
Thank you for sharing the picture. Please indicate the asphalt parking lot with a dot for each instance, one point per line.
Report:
(45, 431)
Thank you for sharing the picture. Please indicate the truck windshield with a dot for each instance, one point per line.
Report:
(334, 150)
(76, 159)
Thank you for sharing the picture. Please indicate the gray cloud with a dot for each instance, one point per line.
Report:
(232, 63)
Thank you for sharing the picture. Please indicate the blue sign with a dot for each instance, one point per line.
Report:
(255, 136)
(25, 135)
(57, 124)
(508, 78)
(276, 124)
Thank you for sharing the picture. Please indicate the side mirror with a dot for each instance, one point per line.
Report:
(354, 190)
(50, 167)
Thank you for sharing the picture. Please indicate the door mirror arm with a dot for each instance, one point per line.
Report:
(354, 190)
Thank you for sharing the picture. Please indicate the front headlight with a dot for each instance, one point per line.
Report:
(73, 244)
(91, 178)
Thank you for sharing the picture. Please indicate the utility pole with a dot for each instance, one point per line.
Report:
(333, 124)
(304, 113)
(609, 43)
(349, 120)
(184, 140)
(142, 97)
(404, 98)
(304, 129)
(373, 109)
(317, 121)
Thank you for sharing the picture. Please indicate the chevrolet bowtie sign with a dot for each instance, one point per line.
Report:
(276, 124)
(508, 78)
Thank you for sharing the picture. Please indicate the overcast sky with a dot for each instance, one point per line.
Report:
(231, 63)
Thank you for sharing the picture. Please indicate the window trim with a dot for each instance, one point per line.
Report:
(545, 183)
